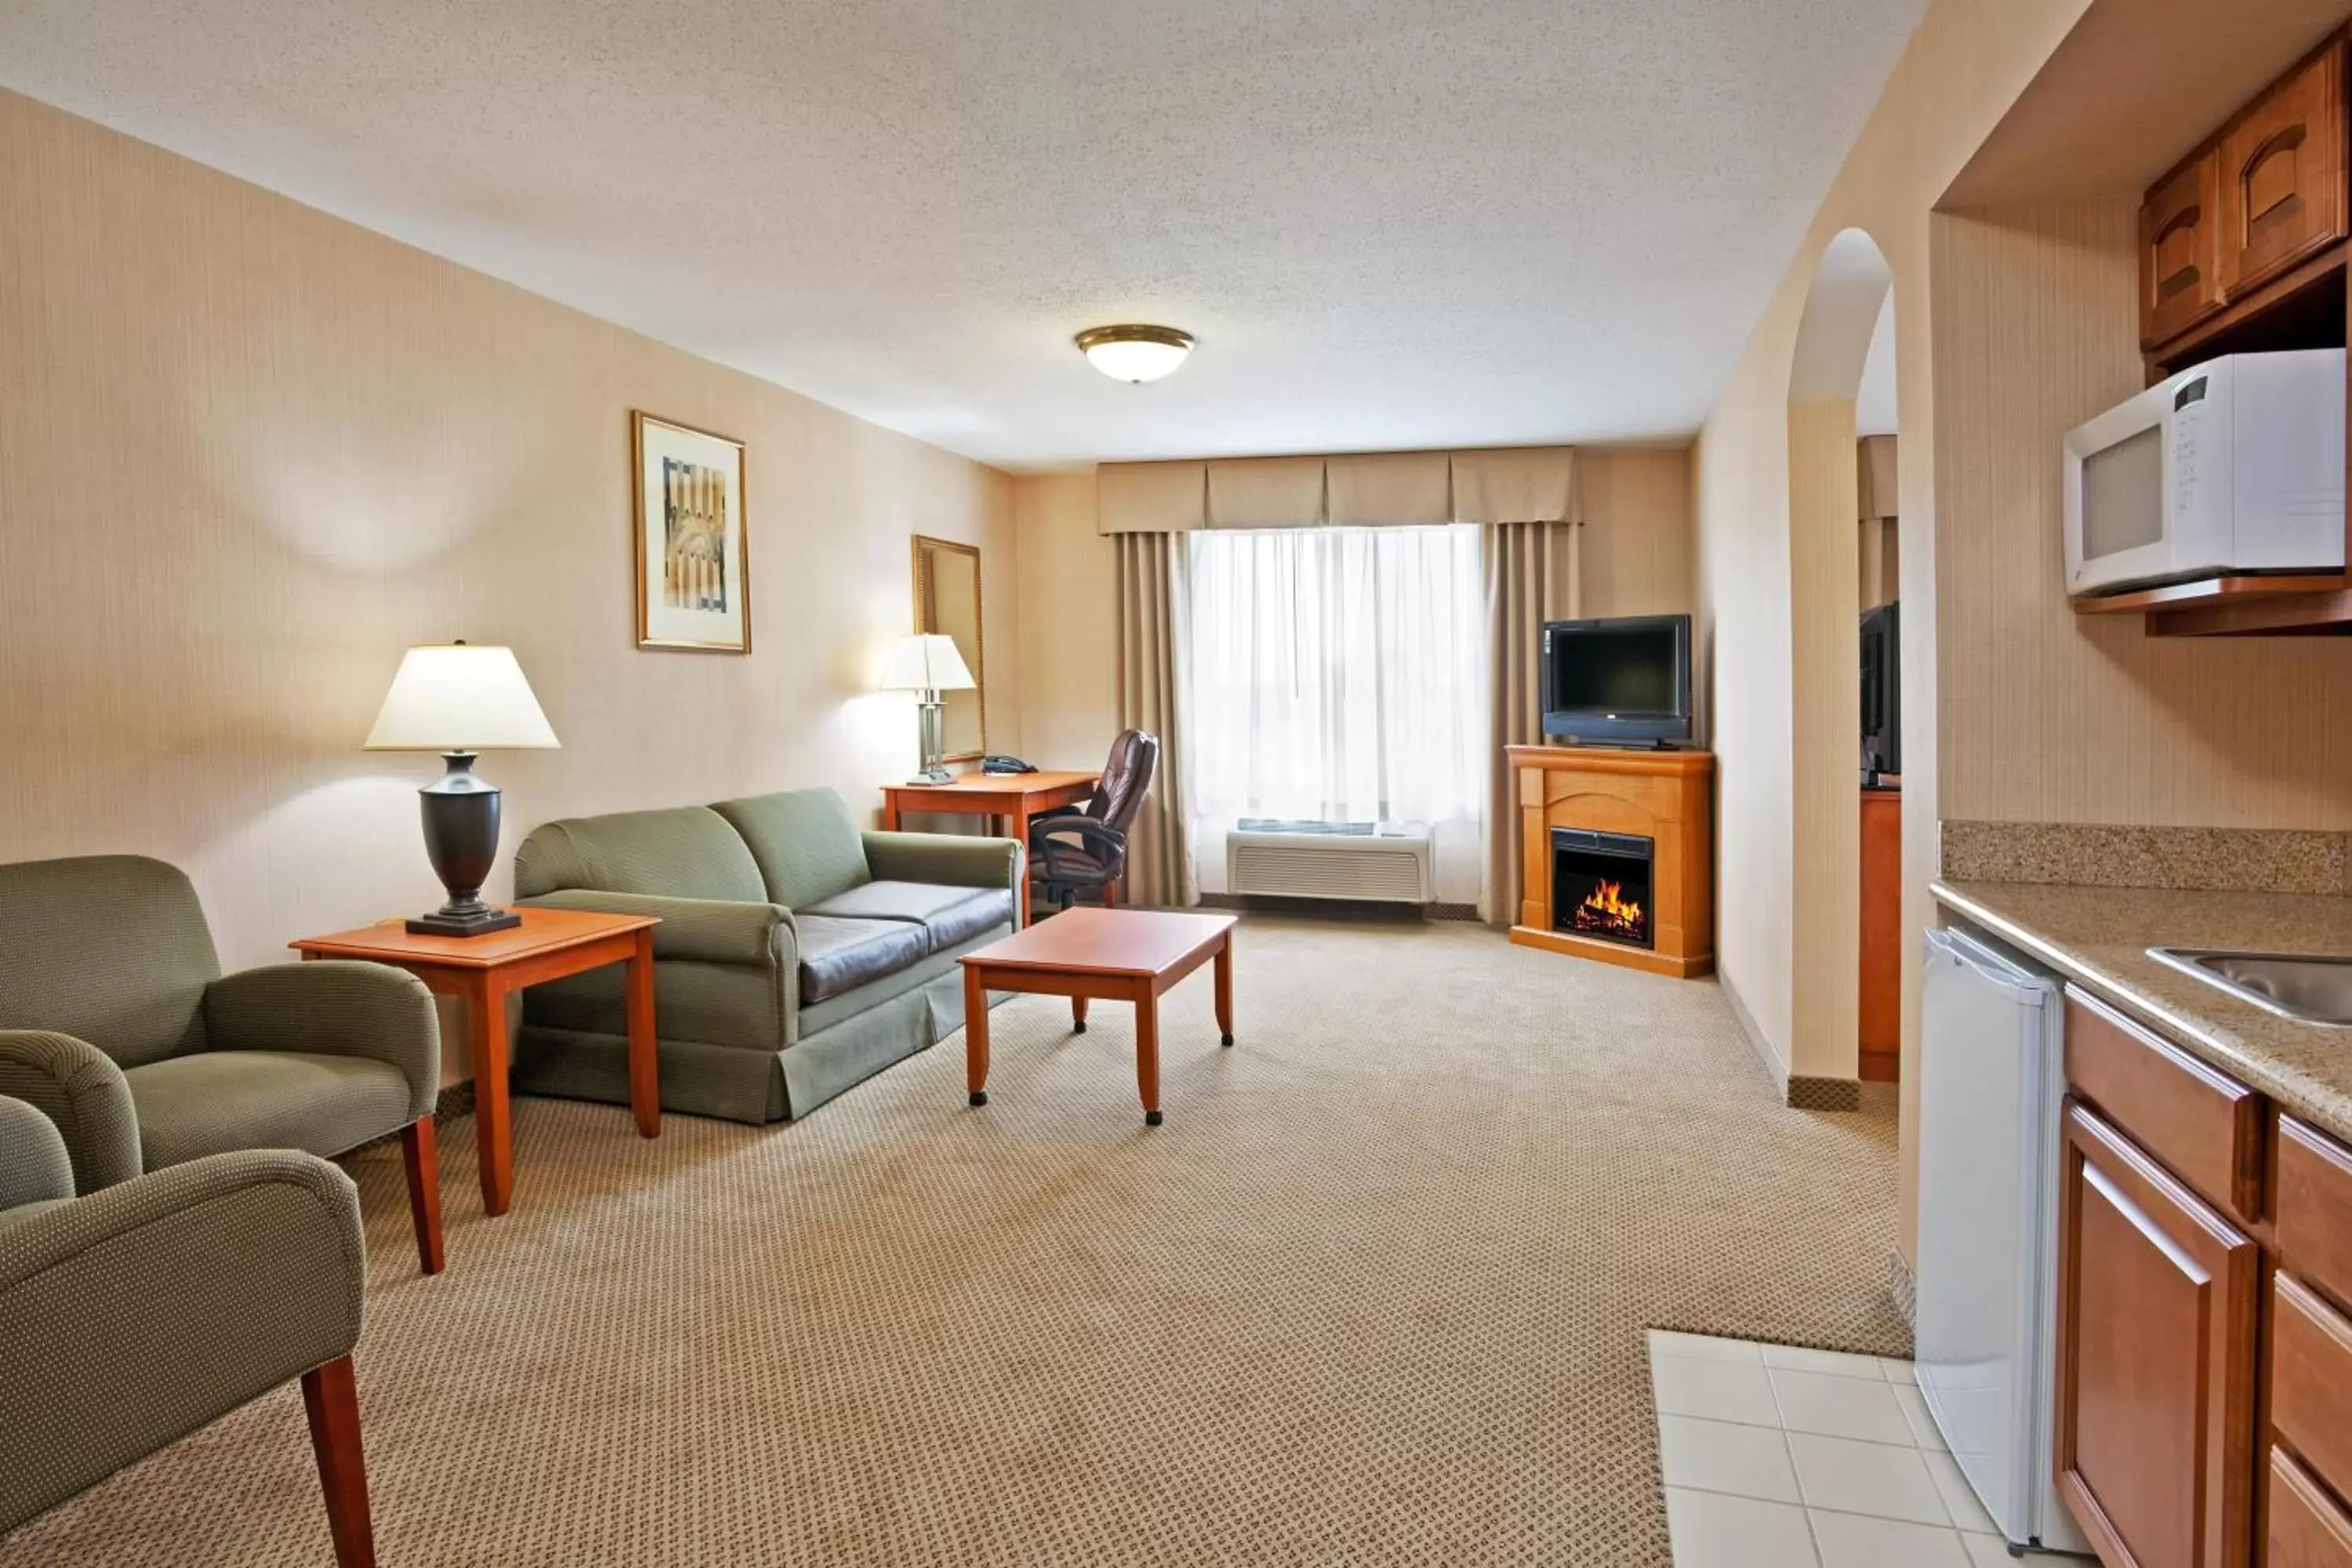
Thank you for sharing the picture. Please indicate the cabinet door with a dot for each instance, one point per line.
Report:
(2283, 175)
(2179, 245)
(2155, 1360)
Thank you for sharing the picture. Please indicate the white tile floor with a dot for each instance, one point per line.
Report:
(1781, 1458)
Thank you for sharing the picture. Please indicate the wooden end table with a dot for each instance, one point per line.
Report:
(1105, 955)
(1014, 797)
(483, 969)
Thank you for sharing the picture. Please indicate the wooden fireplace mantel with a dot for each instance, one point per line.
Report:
(1664, 796)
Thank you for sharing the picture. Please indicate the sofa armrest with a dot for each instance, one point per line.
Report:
(714, 931)
(132, 1316)
(334, 1007)
(34, 1168)
(946, 860)
(82, 1092)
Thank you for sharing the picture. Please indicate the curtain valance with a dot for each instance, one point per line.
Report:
(1526, 484)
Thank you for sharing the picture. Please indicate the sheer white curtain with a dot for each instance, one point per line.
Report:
(1338, 673)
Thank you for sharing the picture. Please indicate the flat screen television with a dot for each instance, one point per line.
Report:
(1882, 692)
(1625, 680)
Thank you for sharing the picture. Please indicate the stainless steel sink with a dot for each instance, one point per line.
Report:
(2293, 985)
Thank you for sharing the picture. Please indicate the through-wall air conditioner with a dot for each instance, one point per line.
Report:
(1379, 861)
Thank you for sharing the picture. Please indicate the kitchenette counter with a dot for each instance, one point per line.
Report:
(2099, 937)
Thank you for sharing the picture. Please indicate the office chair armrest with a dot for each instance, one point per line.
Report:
(132, 1316)
(1108, 845)
(334, 1007)
(83, 1093)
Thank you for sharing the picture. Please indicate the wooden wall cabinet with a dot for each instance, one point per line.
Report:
(2204, 1413)
(1880, 1015)
(2180, 250)
(2281, 168)
(2157, 1360)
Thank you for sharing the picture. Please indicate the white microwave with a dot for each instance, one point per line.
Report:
(2235, 466)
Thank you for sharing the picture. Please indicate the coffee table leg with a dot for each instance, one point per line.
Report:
(1078, 1015)
(1225, 990)
(975, 1034)
(645, 1068)
(1147, 1053)
(493, 1134)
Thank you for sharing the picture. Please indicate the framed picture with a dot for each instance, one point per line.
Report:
(694, 588)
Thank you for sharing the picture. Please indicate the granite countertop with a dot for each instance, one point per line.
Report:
(2100, 937)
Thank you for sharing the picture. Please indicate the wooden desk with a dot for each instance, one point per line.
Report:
(1112, 955)
(549, 946)
(1014, 797)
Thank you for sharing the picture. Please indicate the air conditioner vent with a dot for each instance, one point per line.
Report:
(1392, 866)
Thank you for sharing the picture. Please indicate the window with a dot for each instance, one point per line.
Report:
(1338, 674)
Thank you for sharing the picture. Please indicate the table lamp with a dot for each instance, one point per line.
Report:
(458, 699)
(927, 663)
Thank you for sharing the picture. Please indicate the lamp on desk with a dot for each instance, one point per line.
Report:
(458, 699)
(928, 664)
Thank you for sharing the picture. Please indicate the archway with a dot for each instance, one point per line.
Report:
(1848, 309)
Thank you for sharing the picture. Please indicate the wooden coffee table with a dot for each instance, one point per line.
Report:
(483, 969)
(1099, 955)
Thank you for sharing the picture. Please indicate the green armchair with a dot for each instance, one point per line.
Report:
(117, 1023)
(133, 1316)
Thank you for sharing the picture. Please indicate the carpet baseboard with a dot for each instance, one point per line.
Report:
(1902, 1288)
(1336, 908)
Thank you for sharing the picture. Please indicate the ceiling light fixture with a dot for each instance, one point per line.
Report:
(1135, 352)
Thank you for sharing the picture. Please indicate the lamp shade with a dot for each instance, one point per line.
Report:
(455, 697)
(925, 662)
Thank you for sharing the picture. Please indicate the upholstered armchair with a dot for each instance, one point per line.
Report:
(1073, 852)
(117, 1023)
(133, 1316)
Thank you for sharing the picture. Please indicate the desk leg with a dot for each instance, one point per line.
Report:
(889, 813)
(1225, 990)
(1147, 1052)
(1077, 1015)
(644, 1069)
(1019, 823)
(493, 1132)
(975, 1033)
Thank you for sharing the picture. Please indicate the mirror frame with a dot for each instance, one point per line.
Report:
(921, 543)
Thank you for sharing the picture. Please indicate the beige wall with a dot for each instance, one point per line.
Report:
(2031, 712)
(1825, 993)
(1069, 634)
(249, 452)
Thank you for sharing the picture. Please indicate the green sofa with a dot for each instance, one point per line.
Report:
(796, 956)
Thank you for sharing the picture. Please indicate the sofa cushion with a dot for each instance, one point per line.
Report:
(838, 956)
(950, 915)
(685, 852)
(807, 846)
(216, 1102)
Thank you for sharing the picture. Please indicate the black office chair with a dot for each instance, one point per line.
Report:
(1076, 852)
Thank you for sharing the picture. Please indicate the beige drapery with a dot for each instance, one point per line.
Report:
(1533, 573)
(1151, 654)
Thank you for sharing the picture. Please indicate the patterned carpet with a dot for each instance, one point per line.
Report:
(1373, 1295)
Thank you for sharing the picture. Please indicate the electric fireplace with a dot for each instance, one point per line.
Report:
(1601, 885)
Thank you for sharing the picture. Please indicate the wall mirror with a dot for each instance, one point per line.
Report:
(947, 601)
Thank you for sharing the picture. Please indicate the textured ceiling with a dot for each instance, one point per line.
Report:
(1391, 223)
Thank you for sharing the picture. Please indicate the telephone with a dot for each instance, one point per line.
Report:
(992, 763)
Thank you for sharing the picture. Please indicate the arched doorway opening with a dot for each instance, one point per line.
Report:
(1842, 369)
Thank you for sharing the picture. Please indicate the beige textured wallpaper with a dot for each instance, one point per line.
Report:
(249, 452)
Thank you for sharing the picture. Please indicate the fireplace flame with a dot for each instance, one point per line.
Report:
(1608, 910)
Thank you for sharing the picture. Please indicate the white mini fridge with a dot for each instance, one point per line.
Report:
(1991, 1083)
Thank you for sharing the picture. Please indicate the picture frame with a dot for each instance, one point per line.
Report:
(691, 538)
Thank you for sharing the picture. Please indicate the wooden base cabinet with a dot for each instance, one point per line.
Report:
(2157, 1304)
